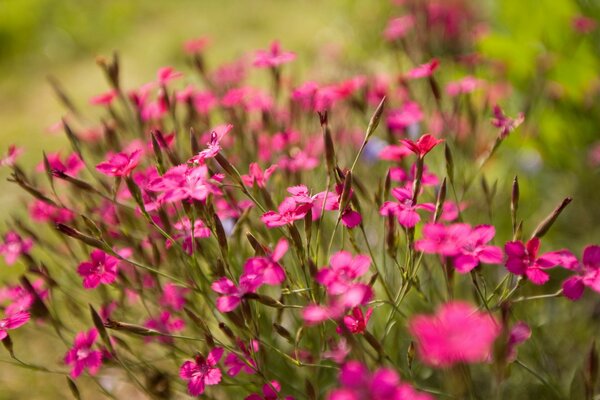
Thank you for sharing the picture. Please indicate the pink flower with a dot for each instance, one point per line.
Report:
(167, 74)
(506, 123)
(184, 226)
(588, 274)
(398, 27)
(443, 240)
(583, 24)
(231, 294)
(356, 294)
(270, 392)
(288, 212)
(357, 321)
(164, 323)
(120, 164)
(457, 333)
(173, 296)
(474, 249)
(184, 183)
(14, 152)
(104, 99)
(463, 86)
(394, 153)
(273, 57)
(256, 174)
(423, 145)
(236, 365)
(194, 46)
(82, 356)
(357, 383)
(43, 212)
(14, 245)
(343, 271)
(423, 70)
(523, 260)
(71, 165)
(102, 268)
(213, 146)
(202, 371)
(519, 333)
(404, 210)
(409, 114)
(13, 321)
(267, 267)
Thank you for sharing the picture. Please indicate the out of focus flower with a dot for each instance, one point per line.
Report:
(102, 268)
(165, 323)
(14, 152)
(14, 246)
(588, 274)
(231, 295)
(104, 99)
(267, 267)
(506, 123)
(235, 364)
(397, 28)
(13, 321)
(194, 46)
(256, 174)
(167, 74)
(81, 356)
(423, 70)
(583, 24)
(120, 164)
(270, 392)
(273, 57)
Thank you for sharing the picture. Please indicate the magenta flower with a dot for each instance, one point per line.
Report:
(423, 70)
(13, 321)
(236, 365)
(267, 267)
(343, 271)
(397, 28)
(104, 99)
(443, 240)
(355, 295)
(588, 274)
(102, 268)
(184, 228)
(120, 164)
(185, 183)
(173, 296)
(523, 260)
(14, 246)
(273, 57)
(357, 321)
(71, 165)
(409, 114)
(404, 210)
(165, 323)
(197, 45)
(423, 145)
(231, 294)
(270, 392)
(82, 356)
(14, 152)
(357, 383)
(474, 249)
(463, 86)
(288, 212)
(457, 333)
(213, 147)
(167, 74)
(506, 123)
(202, 371)
(583, 24)
(394, 153)
(41, 211)
(258, 176)
(519, 333)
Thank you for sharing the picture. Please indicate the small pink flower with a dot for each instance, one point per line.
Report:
(463, 86)
(213, 146)
(397, 28)
(409, 114)
(236, 365)
(165, 323)
(13, 321)
(343, 271)
(102, 268)
(519, 333)
(270, 392)
(357, 321)
(423, 70)
(404, 210)
(523, 260)
(184, 226)
(506, 123)
(273, 57)
(173, 296)
(104, 99)
(120, 164)
(14, 246)
(457, 333)
(231, 295)
(423, 145)
(256, 174)
(288, 212)
(82, 356)
(474, 249)
(167, 74)
(267, 267)
(14, 152)
(41, 211)
(195, 46)
(583, 24)
(70, 166)
(443, 240)
(588, 274)
(202, 371)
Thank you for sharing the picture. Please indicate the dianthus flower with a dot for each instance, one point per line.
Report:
(14, 246)
(82, 356)
(120, 164)
(273, 57)
(102, 268)
(13, 321)
(588, 274)
(202, 371)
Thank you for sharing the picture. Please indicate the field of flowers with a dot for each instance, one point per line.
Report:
(393, 200)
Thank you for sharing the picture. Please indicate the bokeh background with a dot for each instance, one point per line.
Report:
(553, 70)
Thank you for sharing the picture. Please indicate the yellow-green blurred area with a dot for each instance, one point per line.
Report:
(532, 40)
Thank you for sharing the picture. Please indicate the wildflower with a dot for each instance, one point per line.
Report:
(357, 321)
(195, 46)
(164, 323)
(397, 28)
(474, 249)
(273, 57)
(14, 152)
(506, 123)
(167, 74)
(523, 260)
(409, 114)
(213, 146)
(267, 267)
(258, 176)
(456, 333)
(82, 356)
(357, 383)
(13, 321)
(14, 245)
(423, 145)
(404, 210)
(270, 392)
(202, 371)
(102, 268)
(463, 86)
(423, 70)
(231, 294)
(41, 211)
(519, 333)
(173, 296)
(70, 166)
(582, 24)
(343, 271)
(184, 183)
(443, 240)
(588, 274)
(120, 164)
(339, 352)
(247, 365)
(184, 226)
(104, 99)
(288, 212)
